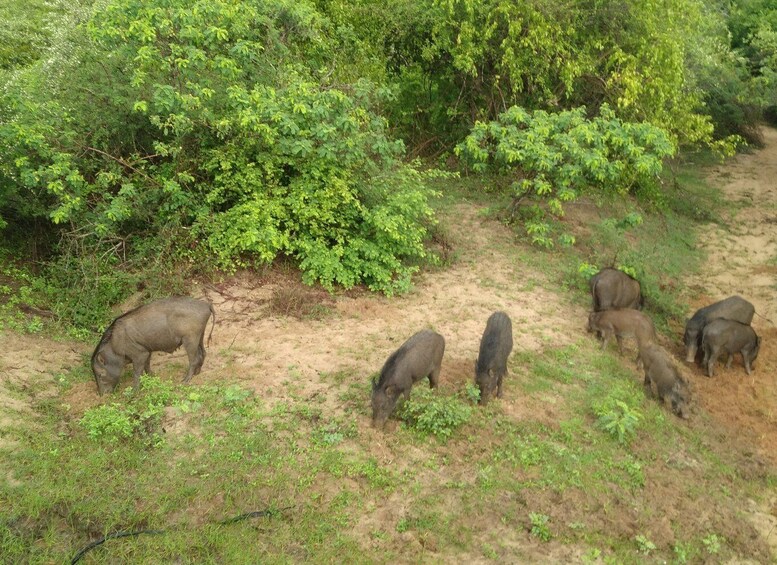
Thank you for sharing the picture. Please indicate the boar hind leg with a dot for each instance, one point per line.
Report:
(712, 358)
(646, 384)
(202, 359)
(196, 353)
(434, 377)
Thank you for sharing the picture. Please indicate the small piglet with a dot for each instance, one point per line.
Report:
(661, 371)
(621, 323)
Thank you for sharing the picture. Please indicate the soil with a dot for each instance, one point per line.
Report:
(742, 259)
(286, 341)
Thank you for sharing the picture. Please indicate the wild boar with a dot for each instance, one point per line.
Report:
(621, 323)
(612, 289)
(661, 371)
(162, 325)
(419, 357)
(495, 347)
(728, 336)
(732, 308)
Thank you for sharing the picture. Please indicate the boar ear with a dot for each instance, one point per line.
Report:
(100, 359)
(391, 390)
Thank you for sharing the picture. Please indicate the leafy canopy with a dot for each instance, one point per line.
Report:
(557, 156)
(213, 122)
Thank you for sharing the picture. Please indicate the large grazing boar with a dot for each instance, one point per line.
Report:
(495, 347)
(729, 337)
(612, 289)
(419, 357)
(732, 308)
(163, 325)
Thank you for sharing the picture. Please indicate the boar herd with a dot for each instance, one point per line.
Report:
(720, 328)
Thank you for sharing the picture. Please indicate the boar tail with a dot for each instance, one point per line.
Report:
(213, 314)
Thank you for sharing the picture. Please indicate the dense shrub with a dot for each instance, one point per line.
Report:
(555, 157)
(209, 121)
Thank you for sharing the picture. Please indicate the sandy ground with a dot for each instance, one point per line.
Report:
(742, 259)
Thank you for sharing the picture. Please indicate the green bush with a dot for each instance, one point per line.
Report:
(109, 422)
(432, 413)
(618, 419)
(138, 416)
(209, 132)
(556, 157)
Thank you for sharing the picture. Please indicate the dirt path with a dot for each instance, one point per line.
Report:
(743, 260)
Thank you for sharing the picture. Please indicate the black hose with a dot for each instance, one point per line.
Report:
(116, 535)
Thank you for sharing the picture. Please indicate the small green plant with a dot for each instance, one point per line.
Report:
(593, 555)
(489, 552)
(432, 413)
(139, 415)
(633, 469)
(629, 270)
(472, 393)
(539, 526)
(109, 423)
(683, 552)
(644, 545)
(619, 419)
(567, 239)
(540, 234)
(631, 220)
(587, 270)
(712, 543)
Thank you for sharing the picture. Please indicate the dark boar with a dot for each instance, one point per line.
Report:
(612, 289)
(661, 371)
(727, 336)
(419, 357)
(621, 323)
(495, 347)
(163, 325)
(732, 308)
